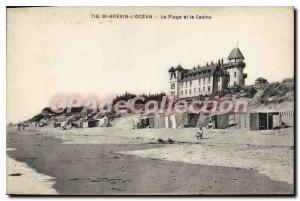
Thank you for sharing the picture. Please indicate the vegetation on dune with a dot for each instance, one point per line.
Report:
(127, 96)
(277, 92)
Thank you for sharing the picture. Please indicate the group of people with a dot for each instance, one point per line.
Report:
(21, 126)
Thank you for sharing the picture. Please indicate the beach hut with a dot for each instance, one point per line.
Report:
(152, 121)
(104, 122)
(84, 124)
(144, 122)
(192, 119)
(264, 121)
(167, 122)
(277, 120)
(93, 123)
(173, 121)
(239, 120)
(157, 120)
(203, 120)
(220, 121)
(42, 123)
(287, 117)
(181, 120)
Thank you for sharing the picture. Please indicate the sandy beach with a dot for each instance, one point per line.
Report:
(119, 160)
(21, 179)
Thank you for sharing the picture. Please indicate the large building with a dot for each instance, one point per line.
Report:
(208, 79)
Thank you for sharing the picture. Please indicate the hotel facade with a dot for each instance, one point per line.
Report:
(208, 79)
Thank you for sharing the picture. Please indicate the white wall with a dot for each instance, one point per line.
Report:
(195, 87)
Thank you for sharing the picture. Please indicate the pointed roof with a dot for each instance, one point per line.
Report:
(172, 69)
(236, 54)
(179, 67)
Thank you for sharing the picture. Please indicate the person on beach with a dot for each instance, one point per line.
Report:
(19, 127)
(199, 133)
(210, 124)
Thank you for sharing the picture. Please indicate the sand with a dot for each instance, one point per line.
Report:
(100, 169)
(276, 163)
(120, 160)
(22, 179)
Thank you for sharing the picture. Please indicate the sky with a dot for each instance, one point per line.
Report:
(63, 51)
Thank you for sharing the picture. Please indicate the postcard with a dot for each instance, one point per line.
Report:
(150, 101)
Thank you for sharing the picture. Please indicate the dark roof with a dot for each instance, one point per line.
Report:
(236, 54)
(198, 72)
(179, 67)
(171, 69)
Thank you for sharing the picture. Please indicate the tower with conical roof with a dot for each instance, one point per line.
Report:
(236, 67)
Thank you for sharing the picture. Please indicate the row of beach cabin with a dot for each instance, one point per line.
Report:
(249, 121)
(71, 122)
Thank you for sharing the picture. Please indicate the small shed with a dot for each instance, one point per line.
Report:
(93, 123)
(287, 117)
(239, 120)
(203, 120)
(104, 121)
(221, 121)
(264, 121)
(161, 121)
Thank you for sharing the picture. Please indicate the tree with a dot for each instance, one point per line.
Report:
(261, 81)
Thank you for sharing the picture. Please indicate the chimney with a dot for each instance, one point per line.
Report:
(212, 63)
(222, 61)
(219, 62)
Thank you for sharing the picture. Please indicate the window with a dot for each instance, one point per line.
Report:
(208, 80)
(199, 89)
(208, 88)
(234, 74)
(172, 93)
(199, 81)
(234, 83)
(182, 84)
(203, 89)
(185, 91)
(190, 91)
(185, 84)
(194, 90)
(173, 86)
(190, 83)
